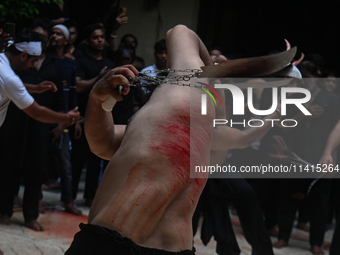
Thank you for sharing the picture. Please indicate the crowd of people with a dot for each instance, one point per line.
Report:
(43, 142)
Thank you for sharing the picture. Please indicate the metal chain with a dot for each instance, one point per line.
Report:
(166, 76)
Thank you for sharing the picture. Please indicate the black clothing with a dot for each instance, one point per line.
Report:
(309, 138)
(93, 239)
(288, 206)
(67, 67)
(214, 205)
(88, 68)
(335, 245)
(24, 143)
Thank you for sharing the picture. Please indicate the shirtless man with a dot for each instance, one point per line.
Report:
(146, 198)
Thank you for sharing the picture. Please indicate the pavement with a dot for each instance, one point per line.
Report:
(60, 228)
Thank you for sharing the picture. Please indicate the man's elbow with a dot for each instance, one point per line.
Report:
(101, 153)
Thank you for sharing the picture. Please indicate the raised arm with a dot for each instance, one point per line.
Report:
(102, 135)
(226, 138)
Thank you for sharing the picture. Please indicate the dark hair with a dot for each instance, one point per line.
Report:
(308, 66)
(129, 35)
(216, 48)
(160, 45)
(90, 28)
(25, 35)
(70, 23)
(124, 50)
(45, 23)
(329, 72)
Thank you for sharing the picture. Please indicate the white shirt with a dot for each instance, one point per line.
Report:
(150, 68)
(11, 89)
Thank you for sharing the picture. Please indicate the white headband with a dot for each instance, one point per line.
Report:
(32, 48)
(64, 30)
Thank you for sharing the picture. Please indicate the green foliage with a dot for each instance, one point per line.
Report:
(17, 9)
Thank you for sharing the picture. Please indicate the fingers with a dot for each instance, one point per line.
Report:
(74, 114)
(50, 85)
(113, 86)
(127, 70)
(103, 70)
(75, 109)
(287, 45)
(54, 88)
(110, 83)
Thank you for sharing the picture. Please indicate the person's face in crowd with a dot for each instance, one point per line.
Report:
(73, 34)
(214, 53)
(97, 40)
(161, 58)
(130, 40)
(126, 58)
(57, 38)
(41, 31)
(26, 62)
(329, 83)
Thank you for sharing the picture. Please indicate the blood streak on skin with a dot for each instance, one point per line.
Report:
(163, 204)
(176, 145)
(143, 194)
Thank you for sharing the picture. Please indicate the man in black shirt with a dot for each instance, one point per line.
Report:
(308, 138)
(89, 67)
(61, 138)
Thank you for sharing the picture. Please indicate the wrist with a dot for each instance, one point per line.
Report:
(72, 119)
(108, 104)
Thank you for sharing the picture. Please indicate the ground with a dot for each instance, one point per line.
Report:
(60, 228)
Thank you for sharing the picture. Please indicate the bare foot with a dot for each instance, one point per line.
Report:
(34, 225)
(280, 244)
(326, 247)
(41, 207)
(44, 187)
(302, 226)
(4, 220)
(70, 208)
(1, 253)
(317, 250)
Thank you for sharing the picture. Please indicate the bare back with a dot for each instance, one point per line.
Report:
(146, 193)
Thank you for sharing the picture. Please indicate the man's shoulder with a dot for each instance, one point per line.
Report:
(6, 71)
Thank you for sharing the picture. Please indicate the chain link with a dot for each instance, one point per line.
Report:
(166, 76)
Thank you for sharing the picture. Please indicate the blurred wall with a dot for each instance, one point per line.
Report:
(150, 19)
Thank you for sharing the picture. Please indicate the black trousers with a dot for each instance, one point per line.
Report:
(243, 197)
(249, 212)
(318, 203)
(80, 155)
(335, 245)
(94, 239)
(9, 177)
